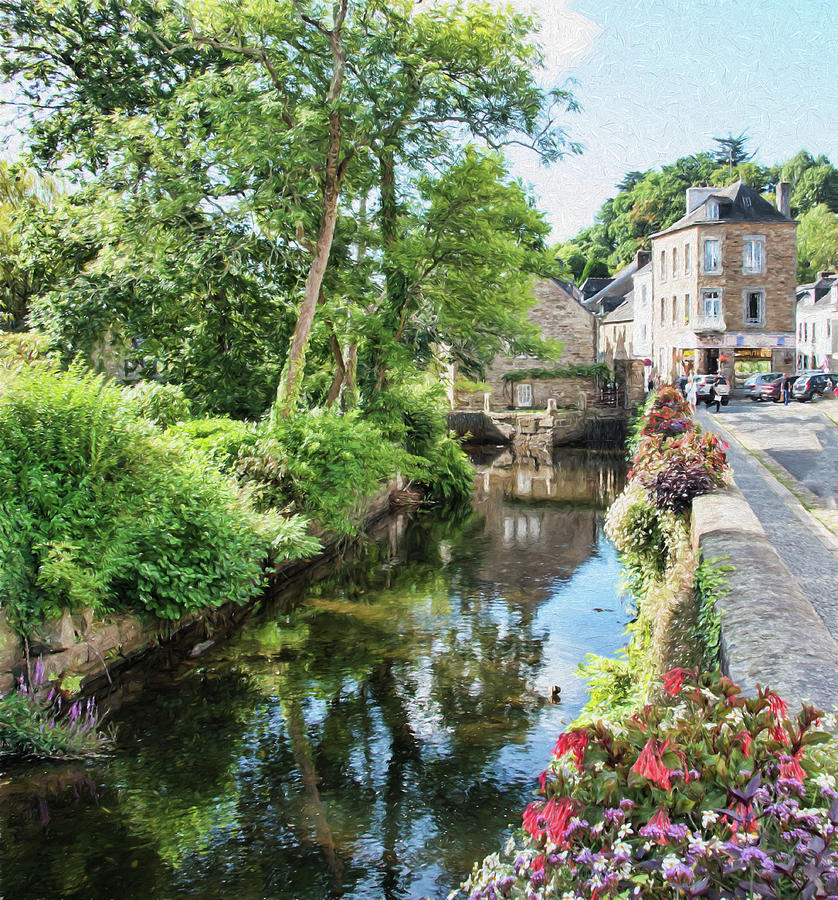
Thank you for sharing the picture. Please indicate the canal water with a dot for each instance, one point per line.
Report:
(367, 735)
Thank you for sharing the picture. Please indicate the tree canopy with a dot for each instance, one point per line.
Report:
(295, 187)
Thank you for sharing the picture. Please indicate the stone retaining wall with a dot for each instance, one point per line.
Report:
(85, 645)
(771, 633)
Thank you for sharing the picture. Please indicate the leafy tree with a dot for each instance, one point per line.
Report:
(817, 242)
(228, 153)
(595, 268)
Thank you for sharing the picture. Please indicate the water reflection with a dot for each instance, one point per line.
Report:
(369, 737)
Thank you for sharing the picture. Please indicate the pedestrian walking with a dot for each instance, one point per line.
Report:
(692, 393)
(713, 397)
(786, 387)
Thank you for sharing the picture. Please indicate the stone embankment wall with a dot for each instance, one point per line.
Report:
(83, 644)
(771, 633)
(557, 427)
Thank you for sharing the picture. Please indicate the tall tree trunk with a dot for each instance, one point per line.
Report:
(340, 368)
(289, 389)
(396, 283)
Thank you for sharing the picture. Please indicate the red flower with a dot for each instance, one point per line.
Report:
(572, 741)
(779, 734)
(650, 764)
(673, 680)
(548, 818)
(747, 740)
(778, 706)
(790, 767)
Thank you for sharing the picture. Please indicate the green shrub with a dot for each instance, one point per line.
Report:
(414, 413)
(99, 508)
(220, 439)
(163, 404)
(326, 463)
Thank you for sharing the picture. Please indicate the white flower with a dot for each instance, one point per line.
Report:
(825, 781)
(708, 818)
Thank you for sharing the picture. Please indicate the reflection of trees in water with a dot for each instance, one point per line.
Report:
(344, 743)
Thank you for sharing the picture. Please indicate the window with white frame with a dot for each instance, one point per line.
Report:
(674, 310)
(711, 303)
(663, 265)
(663, 310)
(712, 209)
(524, 395)
(712, 255)
(813, 331)
(674, 262)
(687, 260)
(753, 255)
(686, 309)
(805, 331)
(754, 307)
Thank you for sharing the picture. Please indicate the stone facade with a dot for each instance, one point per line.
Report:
(714, 302)
(561, 317)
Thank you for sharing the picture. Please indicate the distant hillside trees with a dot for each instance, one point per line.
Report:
(650, 201)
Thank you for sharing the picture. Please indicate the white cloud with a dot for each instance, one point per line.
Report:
(566, 36)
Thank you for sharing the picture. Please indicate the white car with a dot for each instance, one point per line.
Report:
(719, 382)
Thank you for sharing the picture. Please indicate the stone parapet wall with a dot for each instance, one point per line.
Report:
(576, 392)
(771, 633)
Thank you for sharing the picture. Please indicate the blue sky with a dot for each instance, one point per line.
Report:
(658, 79)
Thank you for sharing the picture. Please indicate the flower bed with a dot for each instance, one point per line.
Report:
(714, 796)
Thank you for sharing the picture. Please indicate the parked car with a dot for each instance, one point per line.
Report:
(774, 390)
(813, 384)
(758, 387)
(719, 382)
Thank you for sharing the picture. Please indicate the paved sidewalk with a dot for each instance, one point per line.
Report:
(785, 463)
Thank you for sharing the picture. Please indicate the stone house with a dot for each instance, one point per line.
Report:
(616, 333)
(642, 295)
(724, 283)
(816, 323)
(559, 312)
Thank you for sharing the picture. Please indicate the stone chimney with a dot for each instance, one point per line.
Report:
(642, 258)
(784, 198)
(696, 196)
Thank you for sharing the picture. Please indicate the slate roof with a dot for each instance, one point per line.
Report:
(821, 287)
(624, 312)
(613, 294)
(592, 286)
(737, 203)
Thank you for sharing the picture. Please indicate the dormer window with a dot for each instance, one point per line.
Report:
(712, 209)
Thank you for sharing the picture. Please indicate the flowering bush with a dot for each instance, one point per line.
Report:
(716, 796)
(37, 720)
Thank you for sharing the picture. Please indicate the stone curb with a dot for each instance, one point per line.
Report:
(771, 633)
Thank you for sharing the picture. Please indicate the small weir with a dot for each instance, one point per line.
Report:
(370, 734)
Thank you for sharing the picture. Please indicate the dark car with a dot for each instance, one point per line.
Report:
(756, 385)
(774, 390)
(719, 382)
(813, 384)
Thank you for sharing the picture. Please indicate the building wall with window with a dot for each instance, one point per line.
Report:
(817, 340)
(722, 288)
(561, 317)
